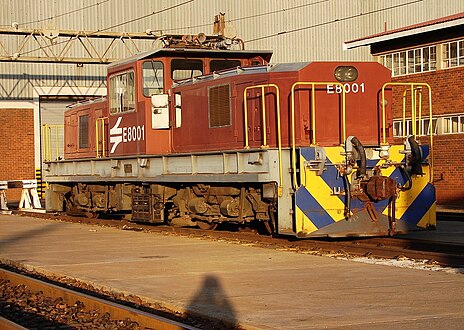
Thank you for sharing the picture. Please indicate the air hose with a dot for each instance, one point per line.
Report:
(361, 154)
(416, 157)
(346, 183)
(408, 177)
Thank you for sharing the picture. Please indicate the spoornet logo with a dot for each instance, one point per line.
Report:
(115, 135)
(125, 134)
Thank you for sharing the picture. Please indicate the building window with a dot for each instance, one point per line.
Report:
(453, 124)
(84, 131)
(410, 61)
(423, 127)
(447, 124)
(122, 92)
(453, 54)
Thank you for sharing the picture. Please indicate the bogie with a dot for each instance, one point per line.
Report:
(202, 205)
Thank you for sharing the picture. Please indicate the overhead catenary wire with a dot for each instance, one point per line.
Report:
(278, 11)
(146, 16)
(332, 21)
(248, 17)
(113, 26)
(62, 14)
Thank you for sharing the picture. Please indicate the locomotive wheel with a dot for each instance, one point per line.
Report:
(91, 215)
(206, 225)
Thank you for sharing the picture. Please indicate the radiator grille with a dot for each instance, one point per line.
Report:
(219, 106)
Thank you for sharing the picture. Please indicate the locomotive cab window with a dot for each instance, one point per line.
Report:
(186, 69)
(219, 65)
(83, 131)
(122, 93)
(152, 72)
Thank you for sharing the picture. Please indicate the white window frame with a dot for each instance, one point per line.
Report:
(449, 128)
(423, 127)
(453, 60)
(409, 61)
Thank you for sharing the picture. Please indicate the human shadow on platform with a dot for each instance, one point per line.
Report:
(211, 306)
(26, 235)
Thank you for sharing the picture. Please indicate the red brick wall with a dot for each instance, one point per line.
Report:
(448, 97)
(16, 147)
(448, 169)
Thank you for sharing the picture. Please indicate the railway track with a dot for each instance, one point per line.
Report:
(441, 253)
(33, 303)
(71, 303)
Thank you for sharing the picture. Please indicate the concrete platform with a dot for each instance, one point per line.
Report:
(256, 287)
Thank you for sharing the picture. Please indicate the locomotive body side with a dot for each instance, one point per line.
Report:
(80, 129)
(214, 106)
(304, 148)
(372, 198)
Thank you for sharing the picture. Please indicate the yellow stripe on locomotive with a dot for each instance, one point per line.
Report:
(329, 205)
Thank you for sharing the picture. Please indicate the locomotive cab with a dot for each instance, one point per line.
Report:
(135, 113)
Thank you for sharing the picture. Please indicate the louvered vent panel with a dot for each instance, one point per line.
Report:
(219, 106)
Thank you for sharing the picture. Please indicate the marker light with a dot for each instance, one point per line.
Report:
(346, 73)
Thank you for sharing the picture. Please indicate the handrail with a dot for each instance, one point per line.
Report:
(313, 117)
(414, 87)
(47, 130)
(100, 121)
(279, 132)
(415, 124)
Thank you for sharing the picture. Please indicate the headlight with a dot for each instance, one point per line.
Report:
(346, 73)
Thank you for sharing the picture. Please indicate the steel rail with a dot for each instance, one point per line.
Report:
(117, 311)
(10, 325)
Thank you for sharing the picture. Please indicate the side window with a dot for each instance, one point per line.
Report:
(219, 106)
(152, 72)
(122, 92)
(83, 131)
(186, 69)
(178, 105)
(218, 65)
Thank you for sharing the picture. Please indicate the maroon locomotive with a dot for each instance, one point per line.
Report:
(196, 136)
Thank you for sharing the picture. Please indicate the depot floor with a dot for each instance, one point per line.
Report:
(255, 287)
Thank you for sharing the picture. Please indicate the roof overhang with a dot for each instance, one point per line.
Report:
(403, 32)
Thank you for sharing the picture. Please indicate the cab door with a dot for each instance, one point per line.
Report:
(70, 131)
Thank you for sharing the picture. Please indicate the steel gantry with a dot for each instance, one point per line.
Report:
(68, 46)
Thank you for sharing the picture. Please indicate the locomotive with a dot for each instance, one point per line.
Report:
(191, 135)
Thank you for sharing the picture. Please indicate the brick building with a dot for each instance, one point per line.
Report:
(431, 52)
(17, 147)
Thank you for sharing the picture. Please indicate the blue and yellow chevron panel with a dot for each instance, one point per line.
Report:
(320, 200)
(416, 206)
